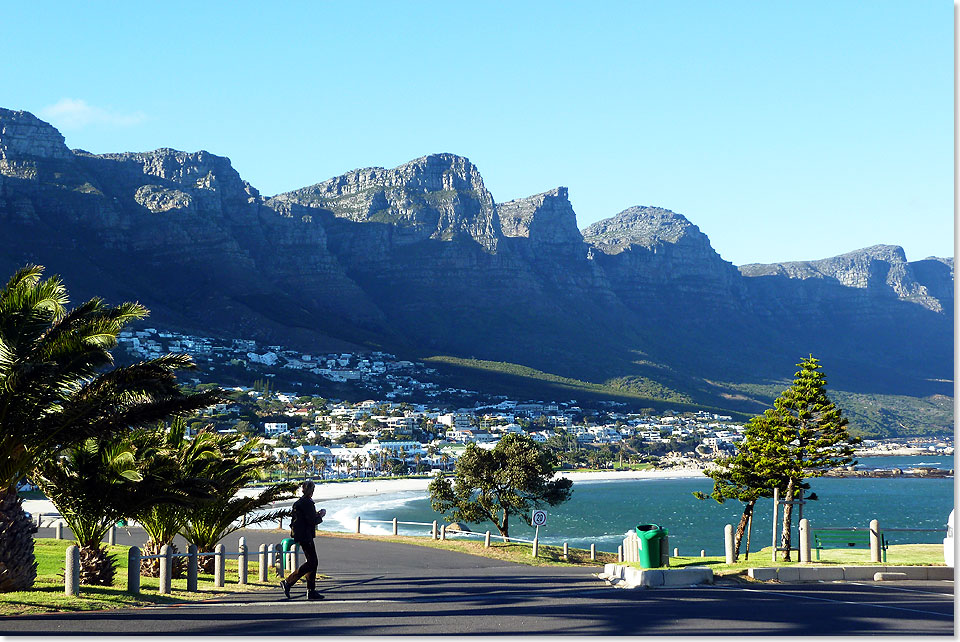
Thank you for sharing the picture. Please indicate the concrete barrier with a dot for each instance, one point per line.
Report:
(218, 565)
(133, 570)
(630, 577)
(882, 577)
(860, 573)
(193, 567)
(166, 569)
(762, 574)
(71, 571)
(262, 565)
(818, 573)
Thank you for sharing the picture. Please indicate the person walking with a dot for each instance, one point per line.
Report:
(303, 528)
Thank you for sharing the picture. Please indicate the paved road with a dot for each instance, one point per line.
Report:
(383, 588)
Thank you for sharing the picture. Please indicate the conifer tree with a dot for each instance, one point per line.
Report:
(807, 436)
(745, 476)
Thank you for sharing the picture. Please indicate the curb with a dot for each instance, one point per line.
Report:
(848, 573)
(628, 577)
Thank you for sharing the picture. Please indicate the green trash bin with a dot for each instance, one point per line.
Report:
(286, 545)
(650, 537)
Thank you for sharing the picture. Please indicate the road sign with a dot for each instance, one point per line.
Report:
(539, 517)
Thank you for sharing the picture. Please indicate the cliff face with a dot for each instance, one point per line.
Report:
(421, 259)
(658, 261)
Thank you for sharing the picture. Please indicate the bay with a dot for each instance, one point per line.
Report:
(601, 512)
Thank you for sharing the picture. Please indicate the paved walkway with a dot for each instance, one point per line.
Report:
(385, 588)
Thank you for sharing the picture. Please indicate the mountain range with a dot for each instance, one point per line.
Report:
(422, 261)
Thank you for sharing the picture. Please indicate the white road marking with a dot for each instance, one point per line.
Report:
(907, 590)
(849, 602)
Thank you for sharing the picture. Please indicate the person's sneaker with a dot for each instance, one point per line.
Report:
(313, 595)
(286, 589)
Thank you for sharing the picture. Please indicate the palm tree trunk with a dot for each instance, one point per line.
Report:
(97, 567)
(18, 566)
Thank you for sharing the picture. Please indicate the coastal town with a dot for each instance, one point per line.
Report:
(412, 425)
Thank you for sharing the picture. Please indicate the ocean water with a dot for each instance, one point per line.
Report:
(601, 512)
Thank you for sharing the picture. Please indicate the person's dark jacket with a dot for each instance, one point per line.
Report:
(304, 520)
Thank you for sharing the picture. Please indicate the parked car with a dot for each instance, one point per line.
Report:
(948, 544)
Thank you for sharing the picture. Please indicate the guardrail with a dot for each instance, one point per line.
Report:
(268, 556)
(876, 539)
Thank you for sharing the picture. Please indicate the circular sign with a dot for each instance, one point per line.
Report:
(539, 517)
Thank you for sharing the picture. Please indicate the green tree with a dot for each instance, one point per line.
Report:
(511, 479)
(186, 464)
(745, 476)
(57, 390)
(95, 484)
(236, 464)
(806, 435)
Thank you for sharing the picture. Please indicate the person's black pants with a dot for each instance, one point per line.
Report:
(308, 568)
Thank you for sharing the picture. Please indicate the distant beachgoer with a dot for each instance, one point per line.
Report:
(303, 528)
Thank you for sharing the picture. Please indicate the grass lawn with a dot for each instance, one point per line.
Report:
(897, 555)
(47, 594)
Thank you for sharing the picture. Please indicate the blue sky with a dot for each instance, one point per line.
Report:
(784, 130)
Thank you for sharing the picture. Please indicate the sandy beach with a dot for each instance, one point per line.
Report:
(359, 488)
(327, 492)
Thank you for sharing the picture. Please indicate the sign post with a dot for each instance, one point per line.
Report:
(539, 518)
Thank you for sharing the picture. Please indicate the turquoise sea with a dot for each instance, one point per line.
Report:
(601, 512)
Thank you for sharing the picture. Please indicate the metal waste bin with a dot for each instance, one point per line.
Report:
(650, 536)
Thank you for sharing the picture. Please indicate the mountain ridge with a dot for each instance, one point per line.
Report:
(421, 259)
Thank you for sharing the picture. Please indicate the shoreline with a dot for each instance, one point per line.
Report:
(379, 486)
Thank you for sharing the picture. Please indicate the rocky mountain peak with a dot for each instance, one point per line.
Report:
(23, 136)
(440, 196)
(878, 268)
(645, 226)
(543, 218)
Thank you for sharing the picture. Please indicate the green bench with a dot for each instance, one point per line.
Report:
(838, 538)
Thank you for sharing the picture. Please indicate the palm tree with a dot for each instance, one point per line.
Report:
(208, 522)
(54, 394)
(93, 485)
(186, 465)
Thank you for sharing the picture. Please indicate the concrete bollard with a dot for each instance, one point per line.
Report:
(620, 554)
(676, 552)
(271, 556)
(443, 532)
(433, 531)
(58, 530)
(218, 566)
(166, 569)
(133, 570)
(703, 553)
(874, 541)
(71, 571)
(804, 540)
(358, 524)
(193, 568)
(263, 566)
(593, 552)
(536, 547)
(728, 543)
(395, 531)
(242, 560)
(486, 540)
(566, 551)
(112, 535)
